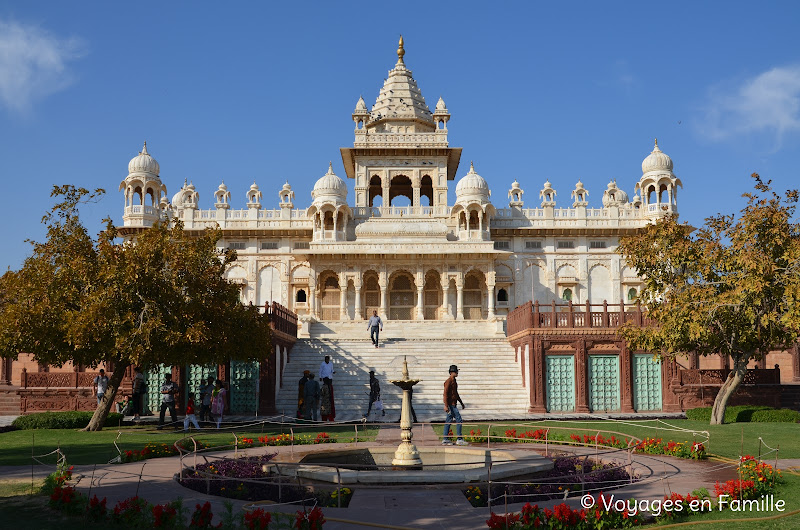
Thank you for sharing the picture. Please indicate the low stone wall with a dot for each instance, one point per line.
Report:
(693, 396)
(56, 399)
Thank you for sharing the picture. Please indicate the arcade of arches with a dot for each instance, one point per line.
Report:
(400, 294)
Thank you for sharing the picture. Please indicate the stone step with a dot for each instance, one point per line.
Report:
(433, 329)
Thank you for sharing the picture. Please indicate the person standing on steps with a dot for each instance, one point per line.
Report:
(375, 326)
(300, 396)
(451, 398)
(374, 393)
(326, 372)
(311, 398)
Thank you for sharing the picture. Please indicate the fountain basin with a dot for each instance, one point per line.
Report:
(441, 465)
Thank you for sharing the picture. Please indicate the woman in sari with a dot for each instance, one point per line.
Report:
(218, 401)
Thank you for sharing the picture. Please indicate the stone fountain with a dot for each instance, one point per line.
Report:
(407, 455)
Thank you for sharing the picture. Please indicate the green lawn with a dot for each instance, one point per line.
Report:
(724, 440)
(30, 512)
(16, 447)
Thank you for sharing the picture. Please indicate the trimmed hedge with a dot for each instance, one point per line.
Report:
(747, 413)
(73, 419)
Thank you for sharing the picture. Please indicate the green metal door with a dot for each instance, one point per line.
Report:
(603, 382)
(244, 387)
(196, 375)
(560, 376)
(646, 382)
(154, 378)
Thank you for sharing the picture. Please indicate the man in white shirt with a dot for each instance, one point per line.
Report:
(375, 325)
(100, 385)
(326, 372)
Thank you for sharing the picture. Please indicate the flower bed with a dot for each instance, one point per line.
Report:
(245, 479)
(157, 450)
(135, 512)
(570, 474)
(693, 450)
(562, 517)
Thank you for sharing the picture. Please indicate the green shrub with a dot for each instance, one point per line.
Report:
(747, 413)
(73, 419)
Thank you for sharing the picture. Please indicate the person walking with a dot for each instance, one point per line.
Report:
(139, 390)
(374, 394)
(300, 396)
(325, 403)
(190, 417)
(100, 385)
(218, 401)
(206, 391)
(168, 392)
(326, 372)
(451, 398)
(375, 326)
(311, 398)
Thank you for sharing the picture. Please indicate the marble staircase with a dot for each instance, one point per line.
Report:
(489, 381)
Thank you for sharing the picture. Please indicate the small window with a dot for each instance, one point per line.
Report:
(632, 294)
(269, 245)
(567, 295)
(502, 295)
(236, 245)
(533, 245)
(597, 244)
(566, 244)
(302, 245)
(502, 245)
(301, 296)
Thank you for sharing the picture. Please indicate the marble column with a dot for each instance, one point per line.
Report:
(358, 315)
(446, 315)
(420, 306)
(491, 294)
(460, 299)
(382, 284)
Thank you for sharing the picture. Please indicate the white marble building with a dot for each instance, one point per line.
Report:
(352, 250)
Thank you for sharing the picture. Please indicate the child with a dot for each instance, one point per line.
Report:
(190, 414)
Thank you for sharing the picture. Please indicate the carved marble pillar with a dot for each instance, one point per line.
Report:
(491, 294)
(460, 298)
(626, 377)
(358, 310)
(420, 281)
(415, 187)
(343, 298)
(581, 377)
(382, 283)
(446, 315)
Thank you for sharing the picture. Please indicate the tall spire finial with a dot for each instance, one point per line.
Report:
(330, 168)
(471, 167)
(400, 51)
(144, 149)
(656, 143)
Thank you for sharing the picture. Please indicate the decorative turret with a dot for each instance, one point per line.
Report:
(186, 198)
(548, 195)
(515, 195)
(254, 197)
(613, 196)
(329, 209)
(472, 208)
(287, 196)
(659, 185)
(222, 197)
(143, 190)
(579, 194)
(441, 115)
(361, 114)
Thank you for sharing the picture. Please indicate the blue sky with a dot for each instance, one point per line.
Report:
(246, 91)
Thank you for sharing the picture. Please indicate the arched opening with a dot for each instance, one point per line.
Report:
(502, 295)
(330, 298)
(632, 294)
(662, 190)
(400, 187)
(149, 197)
(301, 296)
(340, 221)
(137, 196)
(566, 295)
(327, 220)
(426, 191)
(372, 294)
(375, 190)
(473, 220)
(651, 190)
(473, 296)
(432, 296)
(402, 293)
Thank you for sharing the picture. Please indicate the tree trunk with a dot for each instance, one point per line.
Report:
(729, 387)
(101, 413)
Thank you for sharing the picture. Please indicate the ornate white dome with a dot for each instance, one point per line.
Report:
(613, 196)
(472, 184)
(143, 163)
(329, 186)
(656, 161)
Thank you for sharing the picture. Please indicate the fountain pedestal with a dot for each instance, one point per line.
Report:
(407, 455)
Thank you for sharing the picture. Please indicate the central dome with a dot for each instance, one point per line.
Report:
(143, 163)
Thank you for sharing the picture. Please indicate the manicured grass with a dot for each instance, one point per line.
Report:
(23, 511)
(724, 440)
(16, 447)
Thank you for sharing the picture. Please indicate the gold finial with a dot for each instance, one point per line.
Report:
(400, 51)
(656, 142)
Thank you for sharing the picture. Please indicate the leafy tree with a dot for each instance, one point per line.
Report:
(160, 299)
(732, 288)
